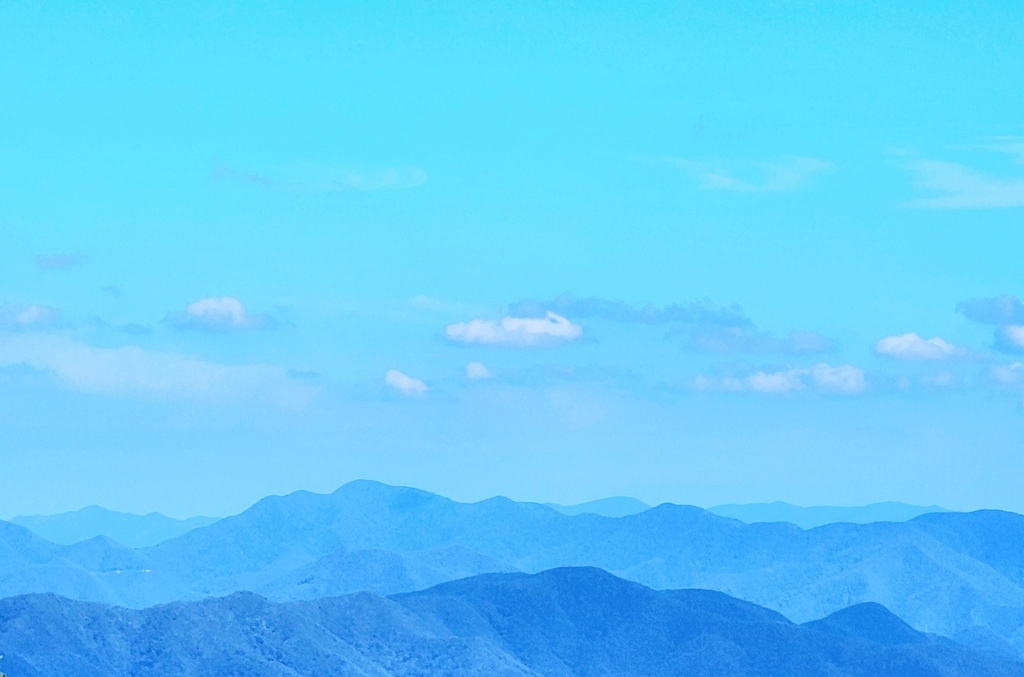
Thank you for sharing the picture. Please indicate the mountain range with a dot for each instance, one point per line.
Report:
(567, 622)
(140, 531)
(956, 574)
(805, 518)
(134, 531)
(819, 516)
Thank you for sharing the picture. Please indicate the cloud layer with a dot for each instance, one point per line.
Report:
(219, 315)
(845, 379)
(132, 371)
(515, 331)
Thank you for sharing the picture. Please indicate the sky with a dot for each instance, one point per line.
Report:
(555, 251)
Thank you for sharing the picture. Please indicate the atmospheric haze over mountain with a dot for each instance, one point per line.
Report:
(708, 312)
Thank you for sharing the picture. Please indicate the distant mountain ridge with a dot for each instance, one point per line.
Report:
(133, 531)
(817, 516)
(615, 506)
(956, 574)
(569, 622)
(140, 531)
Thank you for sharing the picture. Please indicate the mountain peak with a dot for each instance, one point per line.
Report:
(870, 621)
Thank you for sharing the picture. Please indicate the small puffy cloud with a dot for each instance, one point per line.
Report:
(14, 316)
(913, 347)
(842, 379)
(52, 261)
(411, 387)
(476, 371)
(999, 310)
(219, 315)
(515, 331)
(753, 177)
(133, 372)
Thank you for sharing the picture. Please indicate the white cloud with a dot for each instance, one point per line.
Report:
(842, 379)
(14, 316)
(219, 314)
(761, 177)
(406, 385)
(960, 187)
(132, 371)
(913, 347)
(476, 370)
(515, 331)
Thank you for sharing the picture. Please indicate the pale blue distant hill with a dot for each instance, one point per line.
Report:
(133, 531)
(616, 506)
(817, 516)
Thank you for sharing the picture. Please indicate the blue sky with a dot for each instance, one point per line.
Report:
(252, 248)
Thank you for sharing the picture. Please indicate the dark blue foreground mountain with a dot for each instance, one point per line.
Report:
(574, 622)
(956, 574)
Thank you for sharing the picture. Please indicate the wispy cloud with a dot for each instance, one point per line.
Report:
(408, 386)
(52, 261)
(913, 347)
(15, 317)
(705, 326)
(752, 177)
(957, 186)
(219, 315)
(845, 379)
(515, 331)
(132, 371)
(312, 178)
